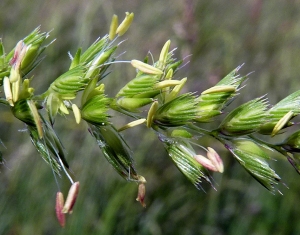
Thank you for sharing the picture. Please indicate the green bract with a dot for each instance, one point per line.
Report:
(94, 49)
(34, 43)
(133, 104)
(69, 83)
(115, 150)
(141, 86)
(215, 99)
(290, 103)
(245, 119)
(22, 111)
(94, 67)
(49, 147)
(182, 155)
(95, 110)
(177, 112)
(253, 159)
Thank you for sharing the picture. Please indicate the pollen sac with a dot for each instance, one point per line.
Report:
(8, 91)
(113, 27)
(58, 209)
(164, 54)
(146, 68)
(282, 122)
(216, 160)
(125, 24)
(151, 113)
(141, 194)
(77, 113)
(71, 198)
(205, 162)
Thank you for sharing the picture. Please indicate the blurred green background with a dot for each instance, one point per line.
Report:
(217, 36)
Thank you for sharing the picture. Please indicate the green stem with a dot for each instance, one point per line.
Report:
(271, 146)
(41, 97)
(201, 130)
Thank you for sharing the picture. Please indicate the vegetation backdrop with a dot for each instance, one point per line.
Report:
(218, 36)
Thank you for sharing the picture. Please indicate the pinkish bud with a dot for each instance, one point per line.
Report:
(71, 198)
(141, 194)
(216, 160)
(17, 52)
(205, 162)
(58, 209)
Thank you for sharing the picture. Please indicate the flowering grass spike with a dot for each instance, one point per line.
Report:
(156, 97)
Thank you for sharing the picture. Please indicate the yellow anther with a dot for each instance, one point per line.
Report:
(282, 122)
(146, 68)
(166, 83)
(113, 27)
(124, 26)
(151, 113)
(7, 91)
(223, 88)
(63, 108)
(164, 53)
(77, 113)
(132, 124)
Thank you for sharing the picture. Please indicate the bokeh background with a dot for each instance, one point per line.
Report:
(216, 36)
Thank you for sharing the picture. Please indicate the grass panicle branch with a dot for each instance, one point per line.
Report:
(153, 98)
